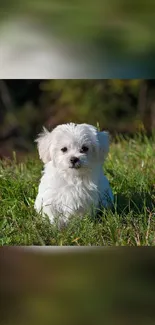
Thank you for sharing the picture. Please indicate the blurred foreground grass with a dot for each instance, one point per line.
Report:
(130, 169)
(77, 286)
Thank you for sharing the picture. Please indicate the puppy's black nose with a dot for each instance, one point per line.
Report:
(74, 160)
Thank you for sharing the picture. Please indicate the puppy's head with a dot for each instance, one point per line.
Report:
(73, 147)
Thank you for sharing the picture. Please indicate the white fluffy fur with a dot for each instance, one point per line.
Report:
(66, 191)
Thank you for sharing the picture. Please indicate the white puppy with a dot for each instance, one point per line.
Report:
(73, 182)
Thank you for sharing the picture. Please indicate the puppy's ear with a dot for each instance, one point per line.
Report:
(43, 144)
(104, 143)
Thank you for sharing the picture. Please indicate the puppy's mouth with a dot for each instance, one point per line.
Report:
(75, 166)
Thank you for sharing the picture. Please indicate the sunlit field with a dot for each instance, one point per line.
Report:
(130, 167)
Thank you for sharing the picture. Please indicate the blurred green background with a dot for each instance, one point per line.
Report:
(114, 39)
(121, 106)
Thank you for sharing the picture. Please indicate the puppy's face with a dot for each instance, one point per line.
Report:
(74, 147)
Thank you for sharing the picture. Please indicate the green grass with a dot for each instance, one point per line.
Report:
(130, 168)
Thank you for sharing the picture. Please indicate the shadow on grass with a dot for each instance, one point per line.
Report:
(137, 202)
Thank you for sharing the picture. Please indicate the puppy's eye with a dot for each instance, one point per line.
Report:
(64, 149)
(84, 149)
